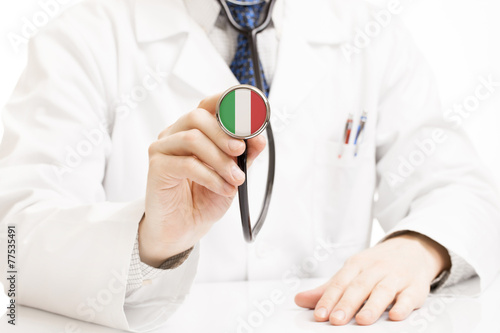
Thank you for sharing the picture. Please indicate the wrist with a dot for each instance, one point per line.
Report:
(153, 250)
(435, 254)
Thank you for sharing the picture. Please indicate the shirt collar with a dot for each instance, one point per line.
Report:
(158, 19)
(208, 14)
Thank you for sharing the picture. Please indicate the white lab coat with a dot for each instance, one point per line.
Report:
(74, 157)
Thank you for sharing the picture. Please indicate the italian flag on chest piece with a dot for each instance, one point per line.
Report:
(243, 112)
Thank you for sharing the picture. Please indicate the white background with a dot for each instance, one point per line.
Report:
(460, 39)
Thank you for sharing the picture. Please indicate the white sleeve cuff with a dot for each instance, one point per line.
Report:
(155, 299)
(141, 274)
(460, 270)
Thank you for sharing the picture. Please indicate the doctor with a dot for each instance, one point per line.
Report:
(115, 217)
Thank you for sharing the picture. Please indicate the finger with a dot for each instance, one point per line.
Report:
(173, 169)
(334, 291)
(255, 147)
(194, 142)
(354, 295)
(408, 300)
(202, 120)
(309, 298)
(210, 103)
(381, 297)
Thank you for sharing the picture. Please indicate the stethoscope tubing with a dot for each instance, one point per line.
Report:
(251, 233)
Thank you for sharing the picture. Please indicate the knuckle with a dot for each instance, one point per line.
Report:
(212, 181)
(423, 289)
(153, 149)
(419, 294)
(385, 288)
(190, 163)
(358, 284)
(165, 132)
(398, 279)
(417, 288)
(199, 112)
(337, 286)
(194, 116)
(204, 101)
(419, 302)
(353, 260)
(412, 298)
(192, 136)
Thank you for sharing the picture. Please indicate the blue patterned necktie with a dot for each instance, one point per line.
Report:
(242, 65)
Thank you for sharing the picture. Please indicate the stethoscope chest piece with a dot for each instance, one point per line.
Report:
(243, 111)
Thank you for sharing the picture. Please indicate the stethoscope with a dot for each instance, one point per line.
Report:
(249, 232)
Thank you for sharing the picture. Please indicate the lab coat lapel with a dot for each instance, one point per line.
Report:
(200, 66)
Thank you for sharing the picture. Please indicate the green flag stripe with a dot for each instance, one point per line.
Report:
(226, 112)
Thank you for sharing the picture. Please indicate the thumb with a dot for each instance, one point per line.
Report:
(210, 103)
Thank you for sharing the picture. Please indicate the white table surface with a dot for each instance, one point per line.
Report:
(221, 307)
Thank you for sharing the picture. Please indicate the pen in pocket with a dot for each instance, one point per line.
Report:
(361, 127)
(347, 134)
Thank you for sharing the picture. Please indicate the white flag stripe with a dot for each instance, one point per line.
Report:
(243, 116)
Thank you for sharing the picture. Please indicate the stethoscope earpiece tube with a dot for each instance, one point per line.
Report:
(249, 232)
(243, 199)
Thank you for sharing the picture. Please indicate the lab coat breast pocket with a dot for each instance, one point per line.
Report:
(344, 196)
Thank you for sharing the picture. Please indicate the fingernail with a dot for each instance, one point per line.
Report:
(322, 313)
(366, 314)
(339, 315)
(237, 173)
(235, 145)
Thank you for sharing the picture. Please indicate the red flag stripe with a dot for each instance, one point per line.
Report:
(258, 112)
